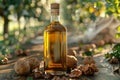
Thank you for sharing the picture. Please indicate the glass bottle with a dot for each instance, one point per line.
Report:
(55, 44)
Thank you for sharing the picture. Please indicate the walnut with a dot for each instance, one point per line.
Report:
(100, 43)
(89, 69)
(80, 67)
(25, 52)
(75, 73)
(94, 67)
(71, 52)
(88, 60)
(93, 46)
(22, 67)
(71, 61)
(21, 52)
(33, 62)
(113, 61)
(38, 74)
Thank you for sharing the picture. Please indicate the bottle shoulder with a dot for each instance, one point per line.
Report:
(55, 27)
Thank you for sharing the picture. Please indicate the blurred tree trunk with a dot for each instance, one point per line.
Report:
(6, 20)
(5, 29)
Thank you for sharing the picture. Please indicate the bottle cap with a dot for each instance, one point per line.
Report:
(55, 9)
(55, 6)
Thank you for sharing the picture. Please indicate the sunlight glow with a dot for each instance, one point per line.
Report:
(58, 1)
(43, 1)
(53, 1)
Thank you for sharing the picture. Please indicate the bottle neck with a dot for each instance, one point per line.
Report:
(55, 14)
(54, 18)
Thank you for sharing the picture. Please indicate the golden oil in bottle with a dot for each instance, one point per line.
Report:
(55, 44)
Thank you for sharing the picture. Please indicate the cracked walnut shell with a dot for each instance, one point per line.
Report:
(114, 61)
(75, 73)
(88, 60)
(71, 61)
(89, 69)
(71, 52)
